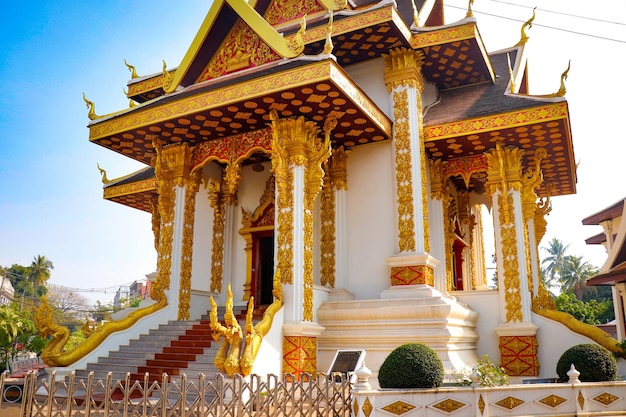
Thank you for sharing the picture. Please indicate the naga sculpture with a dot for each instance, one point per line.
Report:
(230, 358)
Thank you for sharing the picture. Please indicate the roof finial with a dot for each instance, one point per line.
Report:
(469, 13)
(92, 108)
(528, 24)
(297, 43)
(416, 13)
(167, 77)
(328, 46)
(562, 89)
(103, 172)
(132, 69)
(511, 79)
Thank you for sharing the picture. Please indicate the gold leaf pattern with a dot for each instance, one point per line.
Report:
(510, 402)
(367, 407)
(398, 408)
(449, 405)
(552, 400)
(605, 398)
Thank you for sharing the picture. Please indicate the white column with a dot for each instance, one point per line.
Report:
(438, 242)
(293, 294)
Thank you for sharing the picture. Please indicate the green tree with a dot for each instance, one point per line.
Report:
(574, 274)
(40, 270)
(16, 330)
(554, 261)
(590, 312)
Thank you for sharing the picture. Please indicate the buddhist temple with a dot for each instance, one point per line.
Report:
(330, 169)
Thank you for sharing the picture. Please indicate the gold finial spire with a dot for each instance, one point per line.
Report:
(469, 13)
(328, 46)
(167, 77)
(562, 89)
(103, 173)
(511, 79)
(528, 24)
(297, 43)
(416, 14)
(92, 108)
(132, 69)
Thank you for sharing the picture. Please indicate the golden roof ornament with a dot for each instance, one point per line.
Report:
(297, 43)
(562, 89)
(167, 77)
(132, 69)
(528, 24)
(92, 108)
(103, 173)
(469, 13)
(328, 46)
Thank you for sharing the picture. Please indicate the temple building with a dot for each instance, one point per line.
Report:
(613, 272)
(341, 171)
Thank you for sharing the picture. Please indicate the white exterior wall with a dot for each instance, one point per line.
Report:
(486, 304)
(370, 77)
(370, 219)
(202, 242)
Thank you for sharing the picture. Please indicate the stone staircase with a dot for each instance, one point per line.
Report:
(174, 348)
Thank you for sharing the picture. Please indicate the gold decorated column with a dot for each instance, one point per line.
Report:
(412, 264)
(297, 158)
(332, 216)
(176, 188)
(517, 333)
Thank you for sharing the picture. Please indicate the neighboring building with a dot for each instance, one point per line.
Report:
(6, 291)
(338, 174)
(139, 289)
(122, 296)
(613, 272)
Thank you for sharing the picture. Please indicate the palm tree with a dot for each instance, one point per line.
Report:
(40, 270)
(555, 261)
(574, 274)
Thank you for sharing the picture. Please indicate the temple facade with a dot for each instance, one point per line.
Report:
(342, 170)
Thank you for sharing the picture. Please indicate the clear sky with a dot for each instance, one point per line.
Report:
(51, 52)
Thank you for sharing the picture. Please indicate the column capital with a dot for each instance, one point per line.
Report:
(403, 68)
(338, 168)
(173, 161)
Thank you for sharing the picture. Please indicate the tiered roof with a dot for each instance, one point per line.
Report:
(245, 61)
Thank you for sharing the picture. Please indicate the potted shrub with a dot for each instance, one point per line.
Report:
(594, 362)
(412, 365)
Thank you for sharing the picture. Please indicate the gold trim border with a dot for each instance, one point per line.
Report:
(324, 71)
(545, 113)
(128, 189)
(445, 35)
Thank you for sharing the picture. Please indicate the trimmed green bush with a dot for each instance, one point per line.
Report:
(413, 365)
(594, 362)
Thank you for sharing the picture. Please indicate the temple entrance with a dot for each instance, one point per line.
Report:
(258, 232)
(262, 267)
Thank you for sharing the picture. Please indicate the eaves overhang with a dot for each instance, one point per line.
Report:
(545, 125)
(316, 88)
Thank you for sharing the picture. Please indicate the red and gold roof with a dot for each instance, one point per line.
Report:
(226, 89)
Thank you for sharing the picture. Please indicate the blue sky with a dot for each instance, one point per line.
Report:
(50, 190)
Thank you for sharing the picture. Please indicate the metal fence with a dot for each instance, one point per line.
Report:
(310, 395)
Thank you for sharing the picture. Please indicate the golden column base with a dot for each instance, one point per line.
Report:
(518, 355)
(412, 275)
(300, 355)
